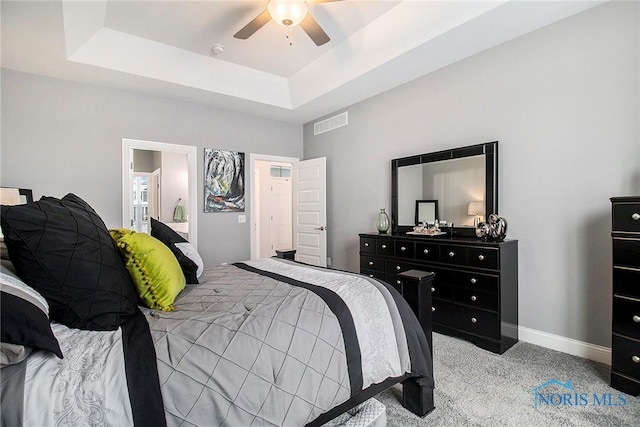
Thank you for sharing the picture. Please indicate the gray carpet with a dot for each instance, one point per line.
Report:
(475, 387)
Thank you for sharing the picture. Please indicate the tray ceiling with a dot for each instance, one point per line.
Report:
(164, 48)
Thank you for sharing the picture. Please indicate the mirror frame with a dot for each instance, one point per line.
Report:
(490, 152)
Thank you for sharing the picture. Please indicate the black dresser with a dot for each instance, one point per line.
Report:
(475, 290)
(625, 341)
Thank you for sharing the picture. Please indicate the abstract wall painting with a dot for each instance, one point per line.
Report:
(223, 181)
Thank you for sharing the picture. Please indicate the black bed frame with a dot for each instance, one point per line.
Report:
(416, 398)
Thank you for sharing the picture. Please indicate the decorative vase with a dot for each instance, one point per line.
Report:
(482, 230)
(495, 228)
(383, 222)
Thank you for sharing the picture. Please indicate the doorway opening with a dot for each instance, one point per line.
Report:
(271, 213)
(156, 179)
(299, 193)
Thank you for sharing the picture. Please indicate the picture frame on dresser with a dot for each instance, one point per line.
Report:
(625, 325)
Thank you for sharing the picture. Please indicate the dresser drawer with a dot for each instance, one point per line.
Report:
(394, 281)
(384, 247)
(626, 317)
(451, 254)
(478, 322)
(368, 244)
(428, 252)
(478, 299)
(394, 267)
(483, 258)
(625, 356)
(484, 282)
(626, 217)
(404, 248)
(372, 273)
(442, 291)
(626, 252)
(626, 282)
(371, 263)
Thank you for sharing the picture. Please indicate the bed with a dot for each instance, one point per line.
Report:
(262, 342)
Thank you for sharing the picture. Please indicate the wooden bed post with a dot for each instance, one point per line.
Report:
(416, 398)
(416, 289)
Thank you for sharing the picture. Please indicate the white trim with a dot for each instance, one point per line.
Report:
(253, 157)
(566, 345)
(128, 145)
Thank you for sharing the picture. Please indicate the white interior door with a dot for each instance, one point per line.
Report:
(310, 211)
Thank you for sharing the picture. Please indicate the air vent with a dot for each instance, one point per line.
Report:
(331, 123)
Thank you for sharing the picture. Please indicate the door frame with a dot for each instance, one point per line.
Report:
(128, 145)
(253, 157)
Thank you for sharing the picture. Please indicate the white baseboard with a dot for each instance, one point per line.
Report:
(565, 345)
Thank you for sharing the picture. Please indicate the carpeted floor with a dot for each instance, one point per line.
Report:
(475, 387)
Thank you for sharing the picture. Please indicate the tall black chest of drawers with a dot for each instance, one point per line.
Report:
(475, 290)
(625, 342)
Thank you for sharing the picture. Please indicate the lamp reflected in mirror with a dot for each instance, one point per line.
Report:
(475, 209)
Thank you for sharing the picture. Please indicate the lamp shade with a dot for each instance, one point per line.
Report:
(287, 12)
(10, 196)
(475, 208)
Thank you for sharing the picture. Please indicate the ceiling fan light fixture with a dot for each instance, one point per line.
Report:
(288, 12)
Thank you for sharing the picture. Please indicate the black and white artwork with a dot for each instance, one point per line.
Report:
(223, 181)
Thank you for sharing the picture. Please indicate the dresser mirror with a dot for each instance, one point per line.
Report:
(462, 181)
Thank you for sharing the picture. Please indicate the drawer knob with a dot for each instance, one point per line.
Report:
(384, 246)
(636, 318)
(366, 245)
(635, 216)
(635, 359)
(402, 248)
(481, 257)
(433, 309)
(452, 254)
(474, 280)
(398, 267)
(433, 289)
(426, 251)
(370, 262)
(474, 298)
(398, 282)
(474, 320)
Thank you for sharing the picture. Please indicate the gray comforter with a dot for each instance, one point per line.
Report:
(260, 343)
(267, 342)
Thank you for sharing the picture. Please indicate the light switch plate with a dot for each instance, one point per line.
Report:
(242, 219)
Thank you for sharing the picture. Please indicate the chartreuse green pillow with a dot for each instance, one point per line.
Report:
(154, 269)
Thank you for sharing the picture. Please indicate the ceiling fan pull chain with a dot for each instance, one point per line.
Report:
(289, 35)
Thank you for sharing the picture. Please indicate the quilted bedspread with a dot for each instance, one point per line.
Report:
(260, 343)
(272, 342)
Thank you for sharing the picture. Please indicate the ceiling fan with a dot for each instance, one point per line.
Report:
(288, 13)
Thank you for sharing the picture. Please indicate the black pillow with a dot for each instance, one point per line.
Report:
(169, 237)
(62, 249)
(25, 317)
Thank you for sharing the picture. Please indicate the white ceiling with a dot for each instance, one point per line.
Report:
(164, 47)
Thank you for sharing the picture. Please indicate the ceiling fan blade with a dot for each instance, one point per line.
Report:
(313, 30)
(253, 26)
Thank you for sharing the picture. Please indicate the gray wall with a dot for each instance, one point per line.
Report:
(60, 137)
(564, 104)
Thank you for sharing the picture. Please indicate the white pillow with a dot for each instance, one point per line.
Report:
(190, 252)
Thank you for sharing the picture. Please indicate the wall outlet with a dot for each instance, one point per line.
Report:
(242, 219)
(328, 262)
